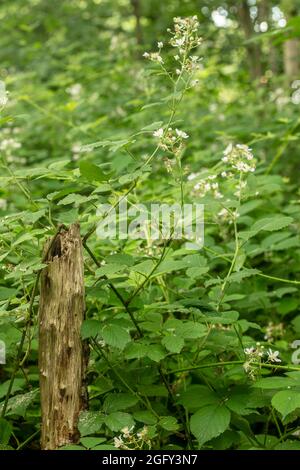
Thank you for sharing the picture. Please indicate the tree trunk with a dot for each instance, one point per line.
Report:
(136, 5)
(62, 355)
(291, 51)
(291, 47)
(253, 50)
(264, 14)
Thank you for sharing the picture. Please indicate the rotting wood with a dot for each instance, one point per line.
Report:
(62, 354)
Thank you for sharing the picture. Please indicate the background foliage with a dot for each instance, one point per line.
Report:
(177, 336)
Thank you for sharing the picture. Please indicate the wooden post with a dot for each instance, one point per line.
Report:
(62, 355)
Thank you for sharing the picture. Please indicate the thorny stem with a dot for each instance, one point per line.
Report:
(236, 253)
(94, 227)
(142, 285)
(100, 353)
(116, 292)
(179, 411)
(230, 363)
(125, 304)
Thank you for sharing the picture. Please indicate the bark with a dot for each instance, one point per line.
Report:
(264, 14)
(62, 355)
(291, 47)
(253, 50)
(291, 51)
(136, 5)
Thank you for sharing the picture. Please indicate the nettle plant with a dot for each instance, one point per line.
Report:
(190, 347)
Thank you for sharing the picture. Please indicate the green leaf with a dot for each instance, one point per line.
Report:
(156, 352)
(145, 417)
(118, 401)
(90, 422)
(109, 269)
(287, 305)
(6, 447)
(209, 422)
(17, 385)
(18, 405)
(196, 396)
(277, 222)
(286, 401)
(90, 442)
(91, 172)
(104, 447)
(268, 383)
(169, 423)
(136, 350)
(5, 431)
(173, 343)
(115, 336)
(90, 328)
(75, 199)
(240, 275)
(119, 420)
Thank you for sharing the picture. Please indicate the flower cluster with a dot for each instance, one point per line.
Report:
(274, 331)
(241, 161)
(207, 185)
(76, 150)
(9, 144)
(184, 39)
(255, 355)
(3, 94)
(240, 157)
(75, 90)
(170, 140)
(127, 440)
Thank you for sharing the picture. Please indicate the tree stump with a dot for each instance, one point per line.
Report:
(63, 355)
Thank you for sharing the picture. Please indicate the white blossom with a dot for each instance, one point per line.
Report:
(181, 134)
(249, 351)
(75, 90)
(158, 133)
(118, 442)
(273, 356)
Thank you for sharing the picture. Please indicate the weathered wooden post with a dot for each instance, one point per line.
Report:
(62, 354)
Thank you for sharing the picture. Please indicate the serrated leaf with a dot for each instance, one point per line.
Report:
(136, 350)
(156, 352)
(90, 422)
(196, 396)
(169, 423)
(17, 385)
(75, 199)
(209, 422)
(277, 222)
(90, 442)
(18, 405)
(145, 417)
(118, 420)
(119, 401)
(90, 328)
(115, 336)
(286, 401)
(269, 383)
(5, 431)
(7, 293)
(91, 172)
(173, 343)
